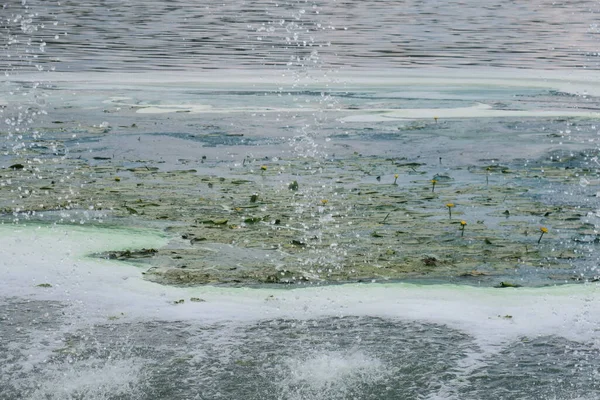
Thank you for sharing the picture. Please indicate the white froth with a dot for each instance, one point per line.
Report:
(576, 82)
(476, 111)
(96, 379)
(101, 289)
(324, 369)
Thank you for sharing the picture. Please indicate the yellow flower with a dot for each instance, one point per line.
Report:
(396, 176)
(263, 167)
(463, 223)
(450, 205)
(324, 201)
(433, 182)
(543, 229)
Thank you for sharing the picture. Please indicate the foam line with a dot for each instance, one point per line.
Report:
(576, 82)
(96, 289)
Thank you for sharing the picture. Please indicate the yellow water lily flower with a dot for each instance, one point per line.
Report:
(543, 230)
(462, 228)
(450, 205)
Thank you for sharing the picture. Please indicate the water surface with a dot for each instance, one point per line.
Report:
(130, 36)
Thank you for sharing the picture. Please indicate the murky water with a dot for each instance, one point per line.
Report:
(325, 93)
(337, 358)
(99, 331)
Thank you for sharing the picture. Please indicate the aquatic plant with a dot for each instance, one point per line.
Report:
(433, 182)
(386, 217)
(505, 284)
(463, 224)
(395, 179)
(324, 201)
(450, 205)
(543, 230)
(197, 300)
(263, 168)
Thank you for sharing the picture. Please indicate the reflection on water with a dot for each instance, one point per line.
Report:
(115, 35)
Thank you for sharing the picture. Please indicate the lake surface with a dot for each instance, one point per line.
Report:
(131, 36)
(131, 125)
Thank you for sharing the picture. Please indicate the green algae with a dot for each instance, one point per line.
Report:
(251, 226)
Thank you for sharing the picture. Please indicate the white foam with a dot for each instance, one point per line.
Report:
(573, 81)
(95, 379)
(325, 368)
(99, 289)
(330, 374)
(476, 111)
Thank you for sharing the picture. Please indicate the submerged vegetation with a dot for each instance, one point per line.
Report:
(288, 224)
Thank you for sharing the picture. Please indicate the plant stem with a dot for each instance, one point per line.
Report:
(540, 239)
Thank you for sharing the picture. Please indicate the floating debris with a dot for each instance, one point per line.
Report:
(197, 300)
(507, 285)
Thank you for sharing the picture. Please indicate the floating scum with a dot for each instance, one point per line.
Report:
(224, 233)
(117, 291)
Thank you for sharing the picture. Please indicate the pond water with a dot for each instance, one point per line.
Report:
(299, 200)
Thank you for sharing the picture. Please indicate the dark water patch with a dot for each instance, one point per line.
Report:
(370, 134)
(330, 358)
(544, 367)
(338, 358)
(221, 139)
